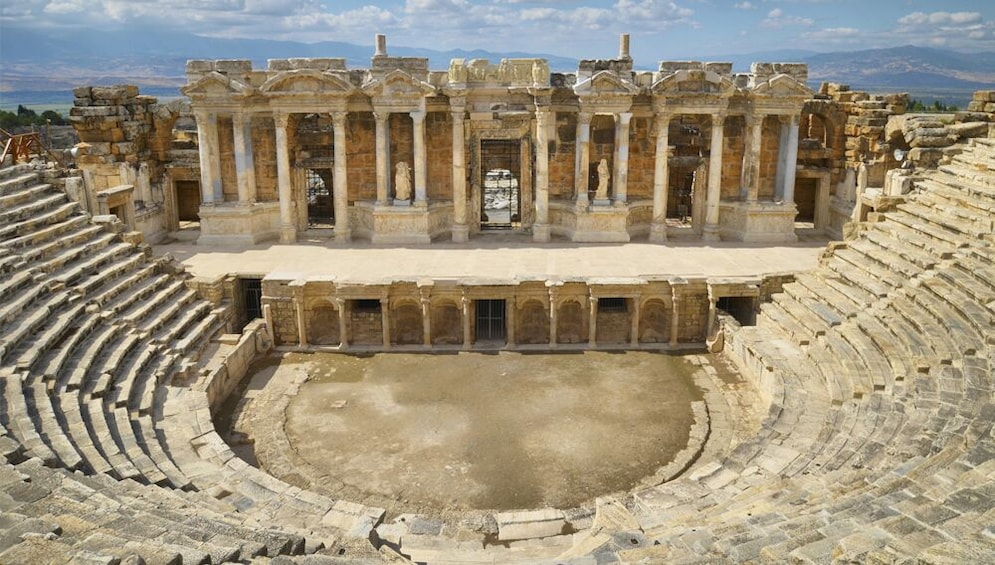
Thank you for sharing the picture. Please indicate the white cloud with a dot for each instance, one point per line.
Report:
(940, 18)
(745, 6)
(777, 19)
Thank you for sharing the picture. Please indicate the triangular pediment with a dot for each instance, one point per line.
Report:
(306, 81)
(694, 81)
(214, 85)
(606, 82)
(398, 84)
(782, 85)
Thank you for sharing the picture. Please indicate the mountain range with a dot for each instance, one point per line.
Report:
(155, 60)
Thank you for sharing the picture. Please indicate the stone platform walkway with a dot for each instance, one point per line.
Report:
(498, 258)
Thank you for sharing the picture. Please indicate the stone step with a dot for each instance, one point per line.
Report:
(77, 431)
(904, 361)
(103, 439)
(955, 199)
(39, 255)
(955, 327)
(21, 423)
(82, 364)
(973, 277)
(126, 285)
(976, 316)
(179, 314)
(923, 324)
(127, 374)
(49, 216)
(57, 327)
(153, 297)
(969, 174)
(54, 362)
(50, 428)
(119, 424)
(120, 266)
(928, 230)
(17, 330)
(51, 233)
(95, 262)
(779, 318)
(875, 365)
(148, 441)
(807, 319)
(77, 252)
(33, 206)
(198, 336)
(16, 181)
(856, 276)
(957, 222)
(902, 236)
(11, 201)
(894, 262)
(876, 270)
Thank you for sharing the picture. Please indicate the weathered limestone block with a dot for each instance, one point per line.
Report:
(530, 524)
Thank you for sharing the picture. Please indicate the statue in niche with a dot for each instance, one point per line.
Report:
(604, 177)
(402, 181)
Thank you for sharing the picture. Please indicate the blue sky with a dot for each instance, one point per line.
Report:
(574, 28)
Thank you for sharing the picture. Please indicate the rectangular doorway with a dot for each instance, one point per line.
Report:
(501, 172)
(490, 320)
(188, 201)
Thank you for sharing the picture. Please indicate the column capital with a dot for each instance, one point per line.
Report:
(381, 116)
(384, 301)
(585, 117)
(719, 116)
(623, 117)
(338, 118)
(281, 119)
(340, 301)
(458, 113)
(789, 119)
(418, 115)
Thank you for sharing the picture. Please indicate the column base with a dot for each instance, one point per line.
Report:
(461, 233)
(658, 233)
(288, 234)
(343, 235)
(711, 233)
(540, 233)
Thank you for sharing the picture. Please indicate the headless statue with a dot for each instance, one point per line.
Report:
(402, 181)
(604, 176)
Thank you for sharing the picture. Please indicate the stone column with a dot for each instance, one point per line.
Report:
(343, 323)
(782, 157)
(509, 320)
(712, 313)
(385, 322)
(426, 322)
(661, 179)
(621, 181)
(340, 181)
(540, 228)
(421, 162)
(675, 324)
(288, 232)
(207, 142)
(714, 194)
(791, 161)
(592, 322)
(461, 232)
(583, 157)
(383, 155)
(750, 190)
(301, 325)
(552, 321)
(634, 320)
(466, 323)
(244, 163)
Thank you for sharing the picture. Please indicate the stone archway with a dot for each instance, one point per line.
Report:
(654, 322)
(571, 323)
(533, 323)
(323, 324)
(447, 326)
(406, 324)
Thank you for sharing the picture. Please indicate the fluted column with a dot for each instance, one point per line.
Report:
(244, 162)
(621, 183)
(207, 143)
(711, 231)
(340, 180)
(552, 320)
(791, 161)
(288, 232)
(421, 162)
(661, 179)
(583, 158)
(461, 232)
(782, 156)
(634, 320)
(751, 157)
(383, 155)
(540, 229)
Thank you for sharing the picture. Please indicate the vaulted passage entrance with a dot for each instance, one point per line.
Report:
(500, 169)
(490, 320)
(320, 211)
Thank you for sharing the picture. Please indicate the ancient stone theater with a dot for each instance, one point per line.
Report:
(498, 313)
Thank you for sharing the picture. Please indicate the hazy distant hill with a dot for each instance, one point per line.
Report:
(53, 64)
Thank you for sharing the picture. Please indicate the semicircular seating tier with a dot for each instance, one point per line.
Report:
(877, 446)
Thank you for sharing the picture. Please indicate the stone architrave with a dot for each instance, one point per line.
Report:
(604, 177)
(402, 183)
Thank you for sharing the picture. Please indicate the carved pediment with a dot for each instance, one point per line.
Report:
(606, 83)
(398, 84)
(782, 86)
(215, 85)
(694, 81)
(306, 82)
